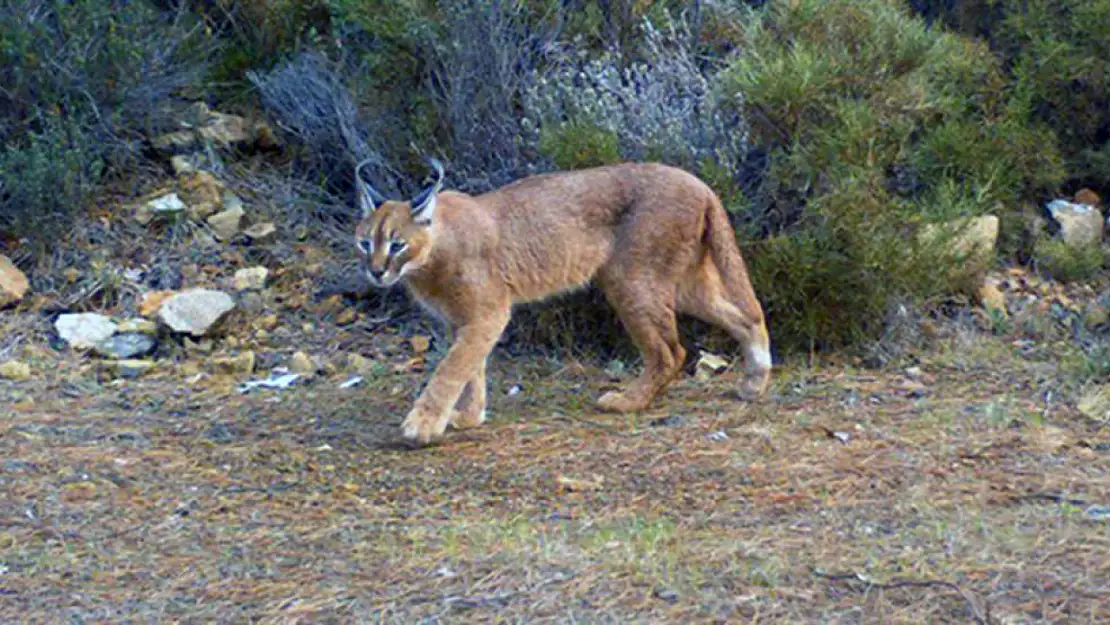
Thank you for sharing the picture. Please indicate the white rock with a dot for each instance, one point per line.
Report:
(1080, 224)
(261, 232)
(250, 279)
(84, 330)
(195, 311)
(974, 238)
(709, 365)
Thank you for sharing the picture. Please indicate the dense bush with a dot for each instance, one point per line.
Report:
(1057, 55)
(875, 124)
(82, 84)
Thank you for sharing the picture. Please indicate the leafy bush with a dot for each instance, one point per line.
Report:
(83, 84)
(1068, 263)
(258, 33)
(875, 124)
(1058, 58)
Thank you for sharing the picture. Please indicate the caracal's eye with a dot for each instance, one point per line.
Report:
(396, 247)
(365, 245)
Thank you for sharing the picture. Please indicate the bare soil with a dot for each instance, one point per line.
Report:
(965, 492)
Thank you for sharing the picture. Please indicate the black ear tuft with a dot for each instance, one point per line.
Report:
(424, 204)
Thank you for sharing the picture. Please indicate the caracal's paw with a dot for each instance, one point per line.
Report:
(754, 384)
(422, 427)
(614, 401)
(467, 420)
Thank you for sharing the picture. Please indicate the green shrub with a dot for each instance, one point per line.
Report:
(259, 32)
(83, 84)
(1057, 56)
(1068, 263)
(875, 125)
(577, 145)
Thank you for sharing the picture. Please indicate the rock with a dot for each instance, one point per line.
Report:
(357, 363)
(84, 330)
(420, 344)
(203, 346)
(251, 279)
(347, 317)
(252, 302)
(225, 224)
(268, 323)
(992, 299)
(1088, 197)
(263, 232)
(709, 365)
(243, 363)
(142, 326)
(974, 239)
(230, 202)
(302, 364)
(174, 141)
(202, 193)
(15, 370)
(127, 368)
(13, 283)
(226, 130)
(169, 205)
(1080, 224)
(207, 127)
(195, 311)
(152, 301)
(125, 346)
(184, 163)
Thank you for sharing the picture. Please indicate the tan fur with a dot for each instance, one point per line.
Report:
(654, 238)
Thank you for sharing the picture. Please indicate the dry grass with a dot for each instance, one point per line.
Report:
(847, 497)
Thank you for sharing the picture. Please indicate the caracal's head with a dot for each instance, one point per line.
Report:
(394, 238)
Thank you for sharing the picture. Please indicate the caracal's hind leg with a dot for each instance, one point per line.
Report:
(432, 411)
(705, 296)
(470, 410)
(646, 309)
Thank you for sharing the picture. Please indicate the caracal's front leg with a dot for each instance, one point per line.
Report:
(470, 410)
(464, 362)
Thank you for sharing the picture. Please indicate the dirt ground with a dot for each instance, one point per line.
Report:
(966, 490)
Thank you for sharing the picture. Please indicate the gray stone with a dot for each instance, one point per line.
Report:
(195, 311)
(263, 232)
(250, 279)
(1080, 224)
(126, 345)
(168, 205)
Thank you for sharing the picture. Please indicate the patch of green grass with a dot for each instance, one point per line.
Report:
(1064, 262)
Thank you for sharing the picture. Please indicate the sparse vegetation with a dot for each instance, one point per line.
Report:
(83, 83)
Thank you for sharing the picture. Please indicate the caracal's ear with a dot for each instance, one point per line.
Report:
(424, 204)
(368, 198)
